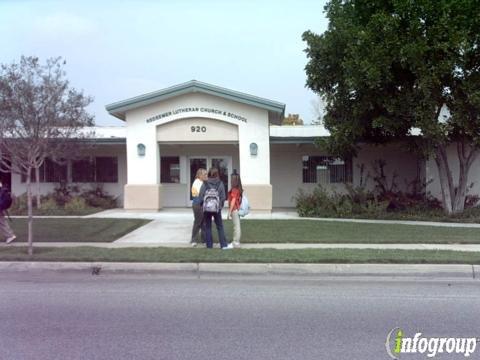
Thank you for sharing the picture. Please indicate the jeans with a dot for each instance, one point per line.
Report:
(198, 223)
(207, 217)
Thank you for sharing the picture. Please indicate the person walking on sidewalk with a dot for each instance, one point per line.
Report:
(234, 201)
(213, 196)
(5, 202)
(198, 223)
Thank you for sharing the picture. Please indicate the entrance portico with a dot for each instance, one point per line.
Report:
(173, 131)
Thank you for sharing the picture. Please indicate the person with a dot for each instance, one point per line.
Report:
(5, 228)
(213, 197)
(198, 223)
(234, 201)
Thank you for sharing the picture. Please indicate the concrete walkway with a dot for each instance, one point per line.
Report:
(283, 246)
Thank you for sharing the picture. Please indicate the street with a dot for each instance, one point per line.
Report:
(79, 316)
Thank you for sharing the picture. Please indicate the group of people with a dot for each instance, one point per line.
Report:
(208, 198)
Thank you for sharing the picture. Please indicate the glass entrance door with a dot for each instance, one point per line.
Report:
(222, 163)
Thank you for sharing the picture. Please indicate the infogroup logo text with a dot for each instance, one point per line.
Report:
(397, 343)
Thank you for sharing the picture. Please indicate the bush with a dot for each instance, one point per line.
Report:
(99, 198)
(321, 203)
(19, 204)
(49, 205)
(76, 203)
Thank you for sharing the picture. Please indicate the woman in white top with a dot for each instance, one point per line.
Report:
(198, 223)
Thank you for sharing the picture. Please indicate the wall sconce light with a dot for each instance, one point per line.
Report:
(253, 149)
(141, 150)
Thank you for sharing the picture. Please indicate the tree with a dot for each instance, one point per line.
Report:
(40, 116)
(386, 67)
(292, 119)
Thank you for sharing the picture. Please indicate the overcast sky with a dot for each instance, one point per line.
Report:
(120, 49)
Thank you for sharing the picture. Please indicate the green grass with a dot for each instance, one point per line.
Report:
(174, 255)
(76, 230)
(319, 231)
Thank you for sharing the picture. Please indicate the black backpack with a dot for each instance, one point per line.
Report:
(5, 199)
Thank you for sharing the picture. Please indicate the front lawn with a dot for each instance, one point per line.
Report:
(182, 255)
(319, 231)
(76, 230)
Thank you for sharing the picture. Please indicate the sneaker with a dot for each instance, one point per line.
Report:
(10, 239)
(228, 247)
(236, 244)
(193, 243)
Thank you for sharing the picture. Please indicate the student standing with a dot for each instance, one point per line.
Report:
(213, 196)
(198, 223)
(5, 228)
(234, 201)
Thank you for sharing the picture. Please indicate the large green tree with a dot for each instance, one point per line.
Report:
(388, 68)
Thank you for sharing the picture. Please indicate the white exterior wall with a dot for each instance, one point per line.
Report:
(433, 181)
(287, 168)
(114, 189)
(145, 170)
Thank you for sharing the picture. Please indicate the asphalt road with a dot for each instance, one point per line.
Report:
(71, 316)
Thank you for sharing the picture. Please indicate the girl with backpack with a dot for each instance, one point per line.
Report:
(213, 197)
(234, 201)
(198, 223)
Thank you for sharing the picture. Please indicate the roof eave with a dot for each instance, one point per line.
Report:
(119, 108)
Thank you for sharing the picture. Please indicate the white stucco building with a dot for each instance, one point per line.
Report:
(150, 162)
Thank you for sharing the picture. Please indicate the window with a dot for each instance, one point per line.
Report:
(170, 169)
(326, 170)
(83, 170)
(50, 171)
(100, 169)
(106, 169)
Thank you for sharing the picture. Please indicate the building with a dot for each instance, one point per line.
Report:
(150, 163)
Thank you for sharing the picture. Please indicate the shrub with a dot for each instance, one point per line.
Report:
(49, 204)
(19, 204)
(64, 192)
(98, 197)
(76, 203)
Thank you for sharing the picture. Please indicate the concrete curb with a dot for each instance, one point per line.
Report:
(198, 269)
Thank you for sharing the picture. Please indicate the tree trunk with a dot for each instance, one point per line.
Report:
(453, 197)
(445, 175)
(30, 215)
(37, 180)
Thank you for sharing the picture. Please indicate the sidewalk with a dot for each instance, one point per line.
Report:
(282, 246)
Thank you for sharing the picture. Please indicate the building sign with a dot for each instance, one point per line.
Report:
(187, 110)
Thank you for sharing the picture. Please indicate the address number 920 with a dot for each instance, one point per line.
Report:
(198, 129)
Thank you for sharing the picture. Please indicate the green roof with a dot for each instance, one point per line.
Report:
(119, 108)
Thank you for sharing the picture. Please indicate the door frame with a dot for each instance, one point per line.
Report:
(209, 164)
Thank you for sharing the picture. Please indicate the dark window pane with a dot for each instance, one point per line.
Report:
(83, 170)
(54, 172)
(106, 169)
(326, 170)
(170, 169)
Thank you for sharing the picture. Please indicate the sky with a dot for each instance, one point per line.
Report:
(115, 50)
